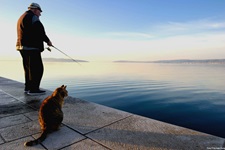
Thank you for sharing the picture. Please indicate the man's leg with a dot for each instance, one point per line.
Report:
(26, 66)
(36, 70)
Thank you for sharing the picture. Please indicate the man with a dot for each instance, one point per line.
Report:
(30, 37)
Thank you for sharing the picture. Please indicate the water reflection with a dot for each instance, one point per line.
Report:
(189, 95)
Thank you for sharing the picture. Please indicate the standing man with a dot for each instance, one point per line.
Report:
(30, 37)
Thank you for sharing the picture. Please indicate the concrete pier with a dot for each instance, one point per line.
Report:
(89, 126)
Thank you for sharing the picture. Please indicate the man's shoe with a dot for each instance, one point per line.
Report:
(26, 91)
(36, 92)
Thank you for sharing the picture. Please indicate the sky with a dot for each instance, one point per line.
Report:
(109, 30)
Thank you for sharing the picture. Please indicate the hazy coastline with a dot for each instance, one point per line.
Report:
(178, 61)
(183, 61)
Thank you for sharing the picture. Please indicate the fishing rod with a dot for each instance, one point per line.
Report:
(48, 48)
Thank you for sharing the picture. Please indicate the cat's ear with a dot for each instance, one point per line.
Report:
(63, 86)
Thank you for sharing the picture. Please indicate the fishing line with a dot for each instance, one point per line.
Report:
(48, 48)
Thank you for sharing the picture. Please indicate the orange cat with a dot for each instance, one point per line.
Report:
(50, 114)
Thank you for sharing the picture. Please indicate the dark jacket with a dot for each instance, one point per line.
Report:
(30, 32)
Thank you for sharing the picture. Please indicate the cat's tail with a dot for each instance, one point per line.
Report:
(38, 140)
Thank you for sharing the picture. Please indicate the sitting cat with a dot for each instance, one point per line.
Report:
(50, 114)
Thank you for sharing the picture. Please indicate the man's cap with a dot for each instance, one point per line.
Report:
(35, 5)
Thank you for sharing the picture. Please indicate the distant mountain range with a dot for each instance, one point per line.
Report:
(184, 61)
(61, 60)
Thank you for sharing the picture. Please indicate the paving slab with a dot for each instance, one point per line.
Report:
(6, 99)
(61, 138)
(32, 101)
(20, 130)
(11, 106)
(15, 90)
(1, 141)
(86, 144)
(85, 116)
(18, 145)
(8, 82)
(142, 133)
(32, 115)
(13, 120)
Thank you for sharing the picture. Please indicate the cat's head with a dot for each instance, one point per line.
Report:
(61, 91)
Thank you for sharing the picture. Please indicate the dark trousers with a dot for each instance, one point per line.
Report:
(33, 69)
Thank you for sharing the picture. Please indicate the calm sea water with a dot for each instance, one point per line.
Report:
(188, 95)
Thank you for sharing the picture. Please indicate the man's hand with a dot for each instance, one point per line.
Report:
(49, 43)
